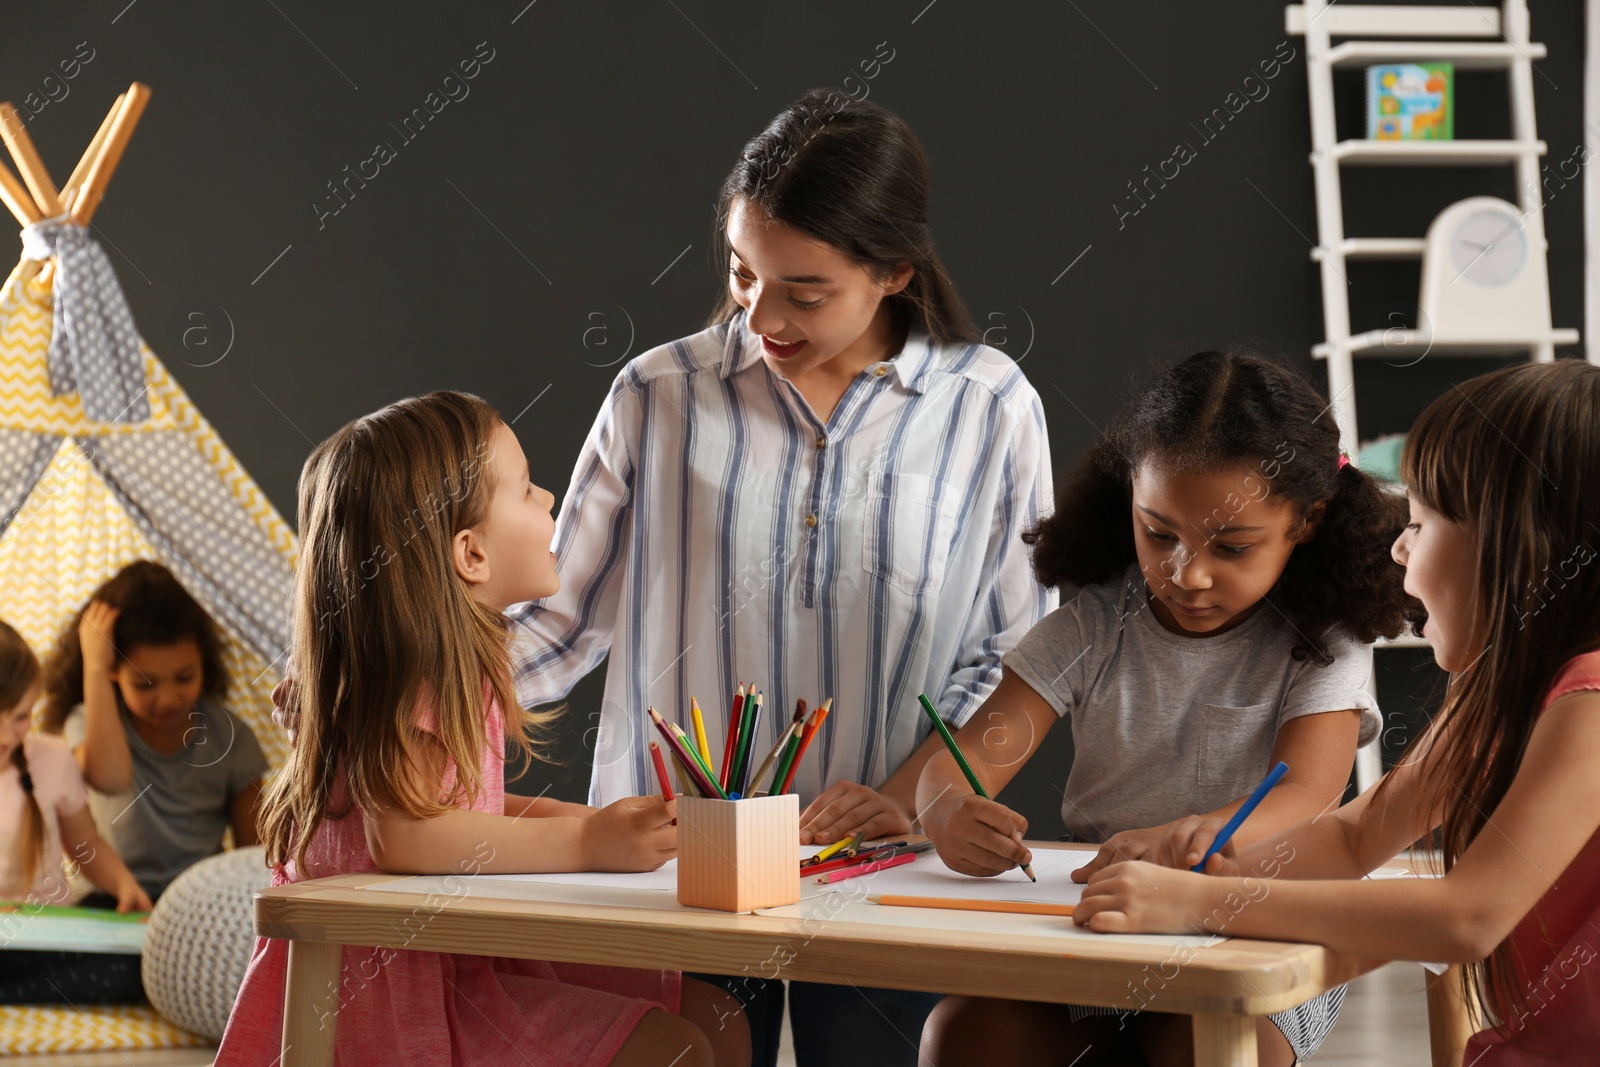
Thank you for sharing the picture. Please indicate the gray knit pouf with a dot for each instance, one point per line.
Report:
(200, 938)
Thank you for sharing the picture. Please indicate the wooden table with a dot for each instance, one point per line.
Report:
(1223, 985)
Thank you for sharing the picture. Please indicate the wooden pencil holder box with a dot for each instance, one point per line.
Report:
(739, 855)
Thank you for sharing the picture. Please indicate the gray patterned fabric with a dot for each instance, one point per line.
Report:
(23, 457)
(200, 938)
(199, 532)
(94, 344)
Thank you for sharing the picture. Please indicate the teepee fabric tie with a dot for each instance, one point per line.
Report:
(94, 345)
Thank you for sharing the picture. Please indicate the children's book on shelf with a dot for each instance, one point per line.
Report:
(1411, 102)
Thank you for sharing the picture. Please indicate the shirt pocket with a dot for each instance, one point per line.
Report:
(911, 523)
(1235, 743)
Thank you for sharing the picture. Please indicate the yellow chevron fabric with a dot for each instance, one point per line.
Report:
(71, 534)
(27, 1028)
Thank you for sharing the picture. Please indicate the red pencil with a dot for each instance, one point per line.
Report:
(865, 868)
(661, 771)
(733, 736)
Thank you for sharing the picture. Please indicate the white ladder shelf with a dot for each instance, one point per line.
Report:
(1497, 40)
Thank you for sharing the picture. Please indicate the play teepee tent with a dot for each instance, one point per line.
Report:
(103, 458)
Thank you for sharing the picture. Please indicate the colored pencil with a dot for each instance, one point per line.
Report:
(869, 867)
(831, 849)
(961, 761)
(661, 771)
(732, 739)
(1015, 907)
(817, 718)
(708, 787)
(690, 747)
(701, 745)
(881, 852)
(742, 760)
(1273, 778)
(772, 757)
(790, 747)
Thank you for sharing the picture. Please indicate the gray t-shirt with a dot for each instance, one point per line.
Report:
(176, 811)
(1165, 725)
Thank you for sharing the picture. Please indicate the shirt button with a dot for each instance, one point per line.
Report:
(881, 371)
(822, 442)
(811, 521)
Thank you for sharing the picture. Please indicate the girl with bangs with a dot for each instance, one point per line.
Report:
(1500, 549)
(418, 528)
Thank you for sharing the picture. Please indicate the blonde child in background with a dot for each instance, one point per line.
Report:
(136, 687)
(44, 819)
(418, 527)
(1500, 473)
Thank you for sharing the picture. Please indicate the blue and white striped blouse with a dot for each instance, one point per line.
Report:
(716, 531)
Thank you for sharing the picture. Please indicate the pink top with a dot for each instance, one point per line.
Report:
(58, 787)
(402, 1006)
(1554, 945)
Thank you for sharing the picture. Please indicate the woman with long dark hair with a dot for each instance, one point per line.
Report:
(824, 492)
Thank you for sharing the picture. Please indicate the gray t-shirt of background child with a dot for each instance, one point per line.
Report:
(176, 811)
(1165, 725)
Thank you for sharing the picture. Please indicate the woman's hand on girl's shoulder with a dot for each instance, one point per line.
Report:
(845, 808)
(633, 834)
(977, 836)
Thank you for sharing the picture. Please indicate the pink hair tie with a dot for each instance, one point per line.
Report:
(1344, 461)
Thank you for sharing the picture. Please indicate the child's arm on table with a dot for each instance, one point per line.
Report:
(100, 862)
(1312, 745)
(634, 834)
(973, 835)
(103, 757)
(1547, 816)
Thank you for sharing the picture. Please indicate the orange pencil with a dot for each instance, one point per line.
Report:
(1015, 907)
(805, 739)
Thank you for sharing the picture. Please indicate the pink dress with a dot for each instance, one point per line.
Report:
(408, 1007)
(1555, 946)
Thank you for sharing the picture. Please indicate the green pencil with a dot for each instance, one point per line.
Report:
(961, 761)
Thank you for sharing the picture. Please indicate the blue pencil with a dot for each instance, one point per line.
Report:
(1243, 813)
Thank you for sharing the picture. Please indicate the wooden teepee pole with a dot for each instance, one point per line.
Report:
(110, 154)
(16, 197)
(69, 191)
(29, 165)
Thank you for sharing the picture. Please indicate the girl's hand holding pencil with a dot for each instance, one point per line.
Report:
(633, 834)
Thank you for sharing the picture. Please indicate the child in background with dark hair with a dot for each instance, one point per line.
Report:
(136, 686)
(44, 820)
(1500, 472)
(1234, 572)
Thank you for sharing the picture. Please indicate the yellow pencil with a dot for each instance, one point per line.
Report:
(831, 849)
(700, 731)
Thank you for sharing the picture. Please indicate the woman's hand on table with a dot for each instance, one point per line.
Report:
(633, 834)
(846, 808)
(976, 836)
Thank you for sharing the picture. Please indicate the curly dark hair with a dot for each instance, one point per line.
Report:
(153, 609)
(1221, 408)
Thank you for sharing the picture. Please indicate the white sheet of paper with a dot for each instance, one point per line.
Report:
(927, 876)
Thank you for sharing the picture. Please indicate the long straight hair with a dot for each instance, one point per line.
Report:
(382, 620)
(854, 176)
(1514, 457)
(19, 670)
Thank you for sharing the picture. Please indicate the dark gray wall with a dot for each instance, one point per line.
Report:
(533, 232)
